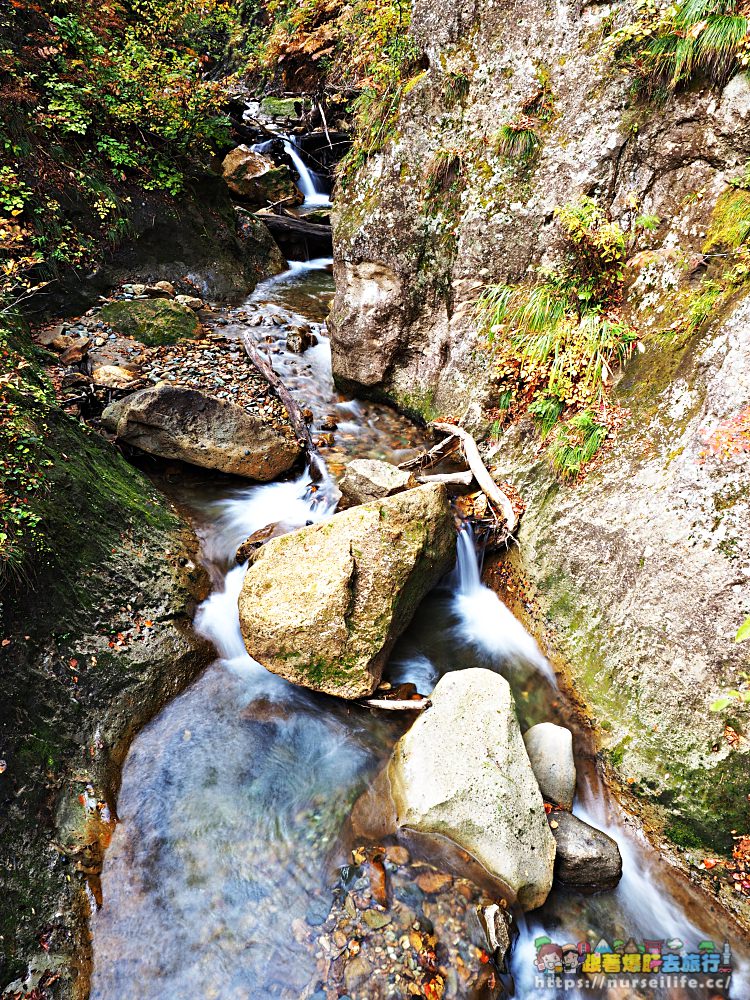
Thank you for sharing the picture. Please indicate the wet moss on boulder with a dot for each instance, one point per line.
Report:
(95, 619)
(153, 322)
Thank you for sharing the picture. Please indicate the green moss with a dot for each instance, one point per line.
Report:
(682, 835)
(152, 321)
(281, 107)
(730, 221)
(418, 405)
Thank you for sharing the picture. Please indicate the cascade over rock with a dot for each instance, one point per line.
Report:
(323, 606)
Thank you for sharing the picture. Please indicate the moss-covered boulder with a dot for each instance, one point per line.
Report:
(257, 179)
(323, 606)
(152, 321)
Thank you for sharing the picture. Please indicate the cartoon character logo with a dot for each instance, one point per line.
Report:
(549, 956)
(570, 958)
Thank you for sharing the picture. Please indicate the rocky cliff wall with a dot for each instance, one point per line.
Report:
(642, 573)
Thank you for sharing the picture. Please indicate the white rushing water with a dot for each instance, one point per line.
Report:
(233, 798)
(483, 618)
(309, 183)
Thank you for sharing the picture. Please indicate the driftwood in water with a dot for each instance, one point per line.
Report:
(486, 483)
(413, 705)
(427, 459)
(298, 237)
(296, 419)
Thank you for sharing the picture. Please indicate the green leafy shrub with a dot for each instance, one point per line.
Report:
(576, 442)
(109, 98)
(25, 399)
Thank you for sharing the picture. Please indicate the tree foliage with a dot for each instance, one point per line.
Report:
(102, 99)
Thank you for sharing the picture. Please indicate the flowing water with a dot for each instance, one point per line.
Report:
(312, 185)
(234, 798)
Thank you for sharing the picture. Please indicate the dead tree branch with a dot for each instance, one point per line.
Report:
(296, 419)
(486, 483)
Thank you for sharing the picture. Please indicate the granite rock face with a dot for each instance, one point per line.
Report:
(642, 572)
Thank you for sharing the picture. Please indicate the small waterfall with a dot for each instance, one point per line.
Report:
(307, 179)
(309, 183)
(484, 621)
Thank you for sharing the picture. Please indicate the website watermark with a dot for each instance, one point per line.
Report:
(651, 963)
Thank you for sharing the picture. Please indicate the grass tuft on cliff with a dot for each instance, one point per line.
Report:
(693, 40)
(558, 340)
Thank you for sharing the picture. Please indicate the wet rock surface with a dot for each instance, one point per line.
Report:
(257, 180)
(173, 421)
(461, 773)
(369, 479)
(324, 605)
(550, 750)
(587, 859)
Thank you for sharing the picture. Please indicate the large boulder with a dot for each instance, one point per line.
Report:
(550, 750)
(176, 422)
(587, 859)
(368, 479)
(262, 253)
(152, 321)
(256, 178)
(461, 773)
(324, 605)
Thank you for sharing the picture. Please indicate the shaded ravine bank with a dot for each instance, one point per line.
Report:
(96, 638)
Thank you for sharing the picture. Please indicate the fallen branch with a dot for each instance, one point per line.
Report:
(325, 123)
(486, 483)
(427, 459)
(449, 478)
(296, 419)
(415, 705)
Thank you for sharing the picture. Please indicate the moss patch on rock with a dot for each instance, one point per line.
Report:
(153, 322)
(96, 628)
